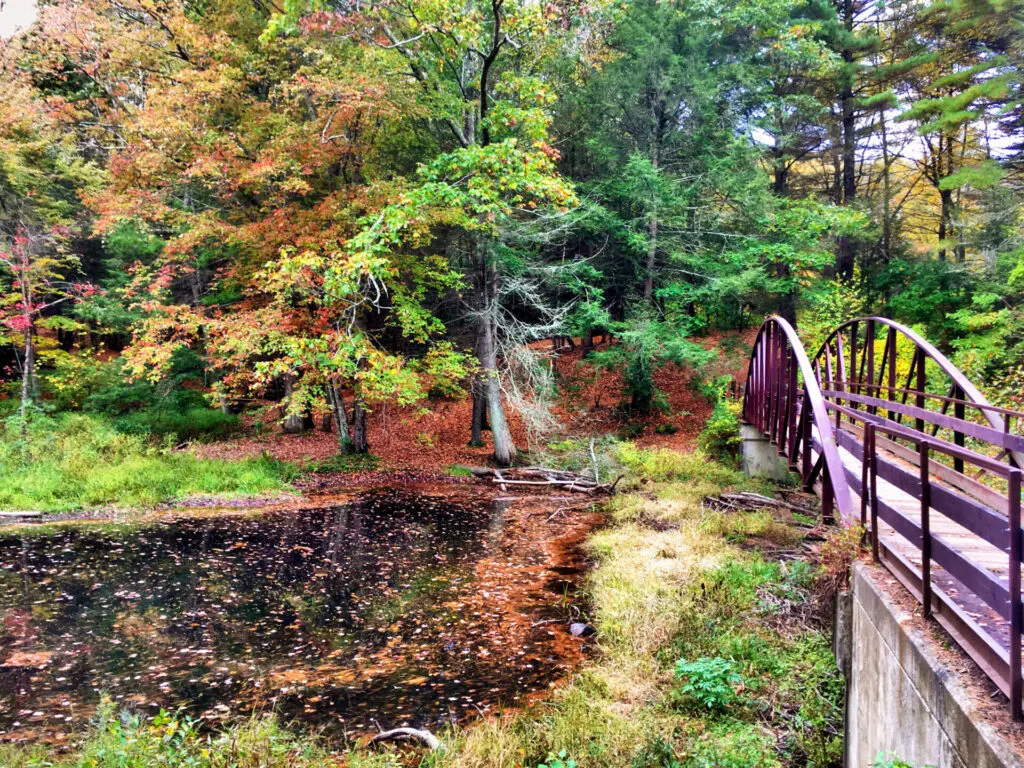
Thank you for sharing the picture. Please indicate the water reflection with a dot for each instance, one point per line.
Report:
(337, 616)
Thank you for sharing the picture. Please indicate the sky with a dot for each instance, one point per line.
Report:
(15, 14)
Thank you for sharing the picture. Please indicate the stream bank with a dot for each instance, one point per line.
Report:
(681, 596)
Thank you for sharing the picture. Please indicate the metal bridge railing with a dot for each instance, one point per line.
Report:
(939, 492)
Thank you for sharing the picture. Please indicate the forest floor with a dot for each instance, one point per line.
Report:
(427, 438)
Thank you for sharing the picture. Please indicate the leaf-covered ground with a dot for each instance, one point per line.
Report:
(433, 435)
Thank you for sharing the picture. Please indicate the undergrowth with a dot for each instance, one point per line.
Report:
(77, 461)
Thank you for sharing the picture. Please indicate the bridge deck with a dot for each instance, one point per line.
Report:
(963, 540)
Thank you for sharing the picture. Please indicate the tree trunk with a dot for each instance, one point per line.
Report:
(359, 442)
(652, 234)
(340, 417)
(479, 412)
(478, 391)
(781, 179)
(945, 220)
(886, 192)
(292, 422)
(27, 366)
(846, 255)
(587, 342)
(504, 445)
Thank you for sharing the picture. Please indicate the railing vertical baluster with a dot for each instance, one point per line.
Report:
(922, 379)
(869, 356)
(776, 388)
(958, 437)
(756, 406)
(926, 533)
(892, 368)
(794, 439)
(766, 375)
(784, 400)
(1016, 610)
(828, 497)
(874, 496)
(852, 378)
(841, 374)
(865, 460)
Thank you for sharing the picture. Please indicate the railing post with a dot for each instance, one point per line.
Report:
(926, 533)
(865, 463)
(1016, 610)
(1006, 431)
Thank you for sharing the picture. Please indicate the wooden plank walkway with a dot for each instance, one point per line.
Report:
(966, 542)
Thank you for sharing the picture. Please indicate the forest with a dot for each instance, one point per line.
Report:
(333, 206)
(287, 285)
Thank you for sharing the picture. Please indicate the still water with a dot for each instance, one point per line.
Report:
(393, 608)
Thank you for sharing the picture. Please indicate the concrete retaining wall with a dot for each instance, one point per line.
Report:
(901, 699)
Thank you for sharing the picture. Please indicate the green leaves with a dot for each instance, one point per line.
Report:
(710, 682)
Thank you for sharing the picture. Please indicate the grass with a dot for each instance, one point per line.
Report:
(78, 461)
(167, 741)
(672, 582)
(685, 601)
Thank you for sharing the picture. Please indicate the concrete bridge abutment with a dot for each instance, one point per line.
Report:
(902, 699)
(758, 457)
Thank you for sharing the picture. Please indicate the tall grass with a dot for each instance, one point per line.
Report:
(167, 741)
(77, 461)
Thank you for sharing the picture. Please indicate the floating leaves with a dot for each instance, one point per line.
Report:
(402, 608)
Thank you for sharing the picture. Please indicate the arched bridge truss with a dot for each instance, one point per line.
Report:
(891, 435)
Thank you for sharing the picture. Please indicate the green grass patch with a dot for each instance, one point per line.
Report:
(169, 741)
(78, 461)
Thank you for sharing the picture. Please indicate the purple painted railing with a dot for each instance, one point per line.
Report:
(948, 521)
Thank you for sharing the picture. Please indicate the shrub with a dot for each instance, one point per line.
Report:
(721, 435)
(193, 424)
(709, 682)
(732, 744)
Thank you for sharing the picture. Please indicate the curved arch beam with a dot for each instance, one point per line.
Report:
(970, 392)
(755, 393)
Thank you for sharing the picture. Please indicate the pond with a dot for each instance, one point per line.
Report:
(394, 607)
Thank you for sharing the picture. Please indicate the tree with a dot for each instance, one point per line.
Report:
(478, 69)
(35, 271)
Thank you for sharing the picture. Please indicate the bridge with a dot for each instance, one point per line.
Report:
(893, 437)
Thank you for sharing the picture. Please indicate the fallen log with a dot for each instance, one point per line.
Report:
(542, 476)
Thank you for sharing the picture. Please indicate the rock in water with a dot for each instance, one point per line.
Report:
(579, 629)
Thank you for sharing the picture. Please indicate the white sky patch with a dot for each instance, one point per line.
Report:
(15, 15)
